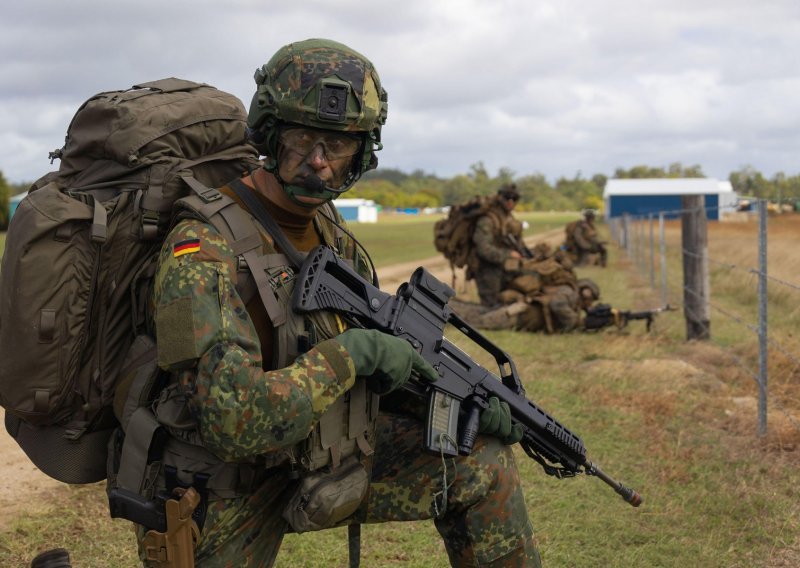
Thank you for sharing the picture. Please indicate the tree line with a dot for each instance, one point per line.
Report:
(392, 188)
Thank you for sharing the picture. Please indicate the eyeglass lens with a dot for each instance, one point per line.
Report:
(303, 140)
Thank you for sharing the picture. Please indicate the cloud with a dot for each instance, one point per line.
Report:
(547, 87)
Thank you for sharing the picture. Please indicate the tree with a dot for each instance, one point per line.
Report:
(674, 170)
(749, 182)
(600, 181)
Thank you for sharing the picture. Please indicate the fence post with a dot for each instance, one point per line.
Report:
(663, 251)
(613, 230)
(640, 244)
(763, 345)
(696, 292)
(652, 254)
(627, 231)
(637, 249)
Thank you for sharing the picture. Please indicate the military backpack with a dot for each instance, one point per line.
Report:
(80, 254)
(452, 236)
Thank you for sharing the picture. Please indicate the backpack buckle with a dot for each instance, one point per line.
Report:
(207, 194)
(149, 225)
(74, 430)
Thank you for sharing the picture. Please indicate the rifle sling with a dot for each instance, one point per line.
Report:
(260, 212)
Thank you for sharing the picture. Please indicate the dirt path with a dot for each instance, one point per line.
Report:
(21, 482)
(23, 486)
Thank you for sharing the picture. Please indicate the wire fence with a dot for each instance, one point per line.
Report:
(754, 309)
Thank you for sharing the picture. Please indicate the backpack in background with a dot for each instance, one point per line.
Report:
(80, 254)
(452, 236)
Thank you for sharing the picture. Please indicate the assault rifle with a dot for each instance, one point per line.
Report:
(603, 315)
(419, 314)
(518, 245)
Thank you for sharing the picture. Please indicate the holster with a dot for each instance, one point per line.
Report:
(174, 548)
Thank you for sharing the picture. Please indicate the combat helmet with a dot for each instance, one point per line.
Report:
(589, 291)
(508, 191)
(323, 84)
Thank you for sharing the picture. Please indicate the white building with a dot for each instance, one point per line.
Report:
(357, 210)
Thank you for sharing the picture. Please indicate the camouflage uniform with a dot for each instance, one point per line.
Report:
(246, 412)
(550, 301)
(583, 243)
(553, 309)
(491, 252)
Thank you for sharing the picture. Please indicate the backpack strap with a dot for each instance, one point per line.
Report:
(262, 215)
(244, 238)
(543, 299)
(155, 202)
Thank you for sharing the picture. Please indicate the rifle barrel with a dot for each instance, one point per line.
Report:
(628, 495)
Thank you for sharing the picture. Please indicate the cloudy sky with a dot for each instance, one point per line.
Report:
(553, 87)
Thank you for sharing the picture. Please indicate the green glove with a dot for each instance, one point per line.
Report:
(385, 360)
(496, 421)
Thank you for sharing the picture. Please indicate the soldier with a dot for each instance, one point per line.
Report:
(492, 248)
(255, 401)
(582, 241)
(549, 309)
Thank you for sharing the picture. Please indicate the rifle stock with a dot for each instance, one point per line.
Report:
(419, 314)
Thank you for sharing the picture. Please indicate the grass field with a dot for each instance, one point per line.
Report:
(674, 420)
(402, 238)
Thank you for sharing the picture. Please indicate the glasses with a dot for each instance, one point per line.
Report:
(336, 145)
(510, 197)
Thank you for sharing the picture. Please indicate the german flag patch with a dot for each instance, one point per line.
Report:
(185, 247)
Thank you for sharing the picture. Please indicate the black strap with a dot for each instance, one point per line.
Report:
(260, 212)
(354, 544)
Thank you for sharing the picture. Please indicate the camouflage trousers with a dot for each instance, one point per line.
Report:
(596, 256)
(490, 279)
(481, 516)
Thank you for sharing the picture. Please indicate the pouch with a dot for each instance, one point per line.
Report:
(327, 497)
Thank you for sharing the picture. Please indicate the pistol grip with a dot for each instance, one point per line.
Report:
(467, 441)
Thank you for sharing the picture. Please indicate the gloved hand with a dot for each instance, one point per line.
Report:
(496, 421)
(385, 360)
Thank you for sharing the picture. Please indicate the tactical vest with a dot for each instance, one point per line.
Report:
(502, 226)
(161, 446)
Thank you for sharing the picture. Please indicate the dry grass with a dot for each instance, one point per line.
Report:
(733, 258)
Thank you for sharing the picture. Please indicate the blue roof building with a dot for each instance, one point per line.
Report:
(640, 197)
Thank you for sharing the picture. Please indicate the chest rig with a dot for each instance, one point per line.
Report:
(158, 446)
(347, 428)
(502, 225)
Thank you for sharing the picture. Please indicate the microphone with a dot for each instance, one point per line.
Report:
(315, 183)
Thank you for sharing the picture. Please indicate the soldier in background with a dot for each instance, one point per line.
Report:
(492, 248)
(582, 242)
(550, 309)
(543, 294)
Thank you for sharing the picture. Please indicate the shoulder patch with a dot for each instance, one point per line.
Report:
(185, 247)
